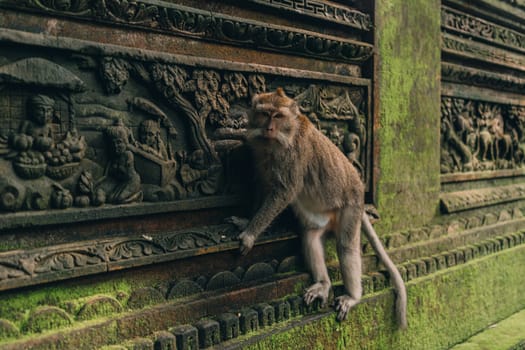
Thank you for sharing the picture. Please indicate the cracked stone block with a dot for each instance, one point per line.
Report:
(186, 337)
(209, 333)
(229, 326)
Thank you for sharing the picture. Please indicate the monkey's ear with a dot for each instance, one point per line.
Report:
(280, 92)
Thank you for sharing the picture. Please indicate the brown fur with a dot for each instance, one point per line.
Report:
(300, 167)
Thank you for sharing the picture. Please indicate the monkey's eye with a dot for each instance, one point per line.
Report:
(278, 116)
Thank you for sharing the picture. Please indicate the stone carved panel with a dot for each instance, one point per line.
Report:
(481, 136)
(81, 130)
(198, 24)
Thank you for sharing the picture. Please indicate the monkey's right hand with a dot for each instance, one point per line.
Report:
(247, 242)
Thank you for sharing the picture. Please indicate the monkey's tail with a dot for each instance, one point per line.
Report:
(399, 285)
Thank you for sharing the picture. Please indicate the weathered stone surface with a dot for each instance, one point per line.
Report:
(258, 271)
(186, 336)
(209, 333)
(222, 280)
(249, 320)
(288, 264)
(46, 318)
(142, 297)
(99, 305)
(266, 314)
(229, 326)
(139, 344)
(8, 329)
(164, 340)
(184, 288)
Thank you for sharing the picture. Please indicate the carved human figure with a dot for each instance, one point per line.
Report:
(150, 139)
(122, 183)
(336, 135)
(36, 132)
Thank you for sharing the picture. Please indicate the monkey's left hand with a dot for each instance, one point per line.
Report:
(247, 241)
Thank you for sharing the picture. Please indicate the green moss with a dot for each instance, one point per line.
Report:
(409, 111)
(501, 336)
(17, 305)
(444, 309)
(46, 318)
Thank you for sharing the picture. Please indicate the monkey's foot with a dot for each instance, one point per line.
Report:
(343, 304)
(240, 223)
(319, 291)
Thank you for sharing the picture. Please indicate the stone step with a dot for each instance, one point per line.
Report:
(231, 330)
(508, 334)
(144, 322)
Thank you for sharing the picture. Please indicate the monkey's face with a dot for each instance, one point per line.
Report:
(273, 117)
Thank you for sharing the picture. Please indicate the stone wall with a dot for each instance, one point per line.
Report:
(121, 155)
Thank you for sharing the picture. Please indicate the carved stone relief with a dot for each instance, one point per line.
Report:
(322, 10)
(194, 23)
(478, 28)
(91, 130)
(479, 135)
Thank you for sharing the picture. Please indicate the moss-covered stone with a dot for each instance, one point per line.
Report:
(8, 329)
(408, 79)
(143, 297)
(444, 309)
(99, 305)
(46, 318)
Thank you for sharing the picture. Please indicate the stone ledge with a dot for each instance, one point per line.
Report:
(151, 319)
(470, 199)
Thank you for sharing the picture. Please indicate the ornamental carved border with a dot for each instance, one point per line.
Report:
(30, 267)
(101, 128)
(471, 76)
(480, 29)
(322, 10)
(480, 51)
(189, 22)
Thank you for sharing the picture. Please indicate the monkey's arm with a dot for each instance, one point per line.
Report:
(274, 203)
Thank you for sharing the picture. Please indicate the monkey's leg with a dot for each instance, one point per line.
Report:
(314, 257)
(349, 253)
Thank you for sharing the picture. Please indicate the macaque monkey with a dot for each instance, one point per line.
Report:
(298, 166)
